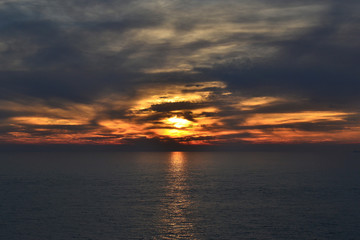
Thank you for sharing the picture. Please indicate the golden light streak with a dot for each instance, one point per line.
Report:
(122, 127)
(281, 135)
(172, 93)
(297, 117)
(252, 103)
(47, 121)
(174, 133)
(206, 110)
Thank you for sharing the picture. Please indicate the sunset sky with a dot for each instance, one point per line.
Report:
(191, 72)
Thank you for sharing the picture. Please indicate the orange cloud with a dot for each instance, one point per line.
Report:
(296, 117)
(47, 121)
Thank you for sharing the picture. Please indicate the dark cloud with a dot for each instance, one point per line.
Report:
(154, 117)
(72, 85)
(167, 107)
(305, 126)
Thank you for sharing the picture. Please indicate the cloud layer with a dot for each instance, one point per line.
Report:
(195, 72)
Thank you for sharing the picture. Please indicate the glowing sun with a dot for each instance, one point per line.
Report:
(178, 122)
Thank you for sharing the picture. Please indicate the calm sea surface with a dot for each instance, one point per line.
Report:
(179, 195)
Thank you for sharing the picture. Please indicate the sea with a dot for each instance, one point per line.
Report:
(179, 195)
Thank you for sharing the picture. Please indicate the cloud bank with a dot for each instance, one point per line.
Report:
(193, 72)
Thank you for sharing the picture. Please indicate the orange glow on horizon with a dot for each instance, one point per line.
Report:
(280, 135)
(187, 114)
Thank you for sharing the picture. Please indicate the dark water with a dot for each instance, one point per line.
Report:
(178, 195)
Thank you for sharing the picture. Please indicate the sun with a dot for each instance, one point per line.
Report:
(178, 122)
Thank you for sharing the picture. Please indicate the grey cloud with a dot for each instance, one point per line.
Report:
(78, 38)
(166, 107)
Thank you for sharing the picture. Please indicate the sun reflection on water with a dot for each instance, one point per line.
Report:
(176, 204)
(177, 161)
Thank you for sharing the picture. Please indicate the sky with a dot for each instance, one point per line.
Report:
(191, 72)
